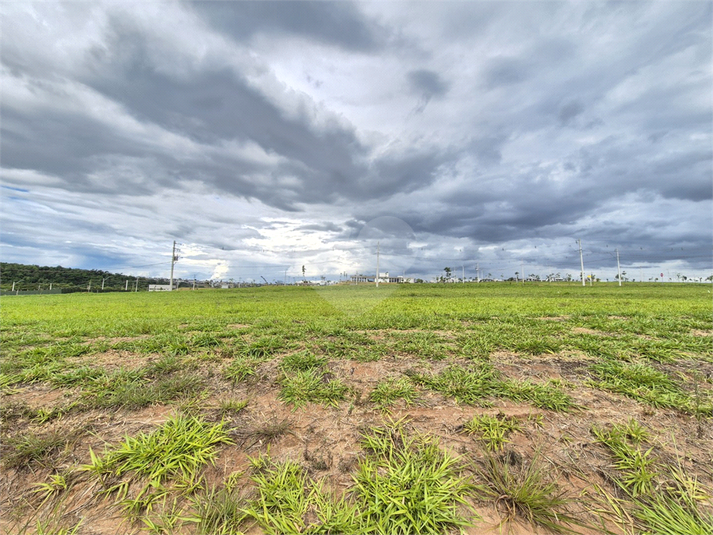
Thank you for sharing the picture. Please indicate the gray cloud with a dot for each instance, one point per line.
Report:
(554, 121)
(340, 24)
(427, 85)
(321, 227)
(505, 71)
(569, 111)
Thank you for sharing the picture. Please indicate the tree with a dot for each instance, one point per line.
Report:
(448, 273)
(303, 272)
(516, 276)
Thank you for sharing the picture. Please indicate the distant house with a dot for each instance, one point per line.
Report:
(159, 287)
(383, 278)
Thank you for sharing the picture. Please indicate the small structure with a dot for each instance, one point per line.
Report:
(159, 287)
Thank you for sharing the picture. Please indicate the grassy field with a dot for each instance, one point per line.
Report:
(412, 409)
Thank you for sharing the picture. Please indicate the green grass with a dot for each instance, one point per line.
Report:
(313, 386)
(302, 361)
(282, 502)
(657, 498)
(133, 390)
(467, 385)
(241, 369)
(479, 382)
(389, 390)
(174, 451)
(638, 341)
(31, 450)
(218, 510)
(492, 430)
(525, 491)
(645, 383)
(407, 484)
(232, 406)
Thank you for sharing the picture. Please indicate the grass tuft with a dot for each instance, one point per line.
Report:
(232, 406)
(218, 511)
(645, 383)
(302, 362)
(241, 369)
(389, 390)
(523, 491)
(635, 463)
(176, 450)
(493, 430)
(469, 386)
(31, 450)
(408, 485)
(312, 386)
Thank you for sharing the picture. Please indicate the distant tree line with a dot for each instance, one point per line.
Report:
(31, 277)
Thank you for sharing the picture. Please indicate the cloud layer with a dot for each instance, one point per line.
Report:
(267, 135)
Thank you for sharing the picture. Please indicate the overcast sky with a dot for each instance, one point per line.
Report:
(264, 136)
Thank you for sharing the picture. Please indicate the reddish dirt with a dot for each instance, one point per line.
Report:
(698, 332)
(112, 360)
(326, 440)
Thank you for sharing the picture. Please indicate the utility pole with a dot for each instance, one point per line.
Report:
(581, 261)
(522, 270)
(173, 261)
(377, 264)
(618, 267)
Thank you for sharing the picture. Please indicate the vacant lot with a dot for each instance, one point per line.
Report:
(417, 409)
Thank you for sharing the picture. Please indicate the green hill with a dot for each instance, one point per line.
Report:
(31, 277)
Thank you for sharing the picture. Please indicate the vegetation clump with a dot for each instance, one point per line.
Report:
(645, 383)
(522, 490)
(389, 390)
(174, 451)
(313, 386)
(657, 498)
(409, 485)
(492, 430)
(474, 385)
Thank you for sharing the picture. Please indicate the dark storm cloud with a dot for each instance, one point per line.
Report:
(427, 85)
(211, 106)
(339, 24)
(553, 120)
(504, 71)
(569, 111)
(321, 227)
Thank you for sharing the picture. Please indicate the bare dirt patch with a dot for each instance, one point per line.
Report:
(699, 332)
(326, 441)
(113, 359)
(585, 330)
(554, 318)
(38, 396)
